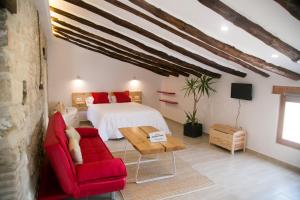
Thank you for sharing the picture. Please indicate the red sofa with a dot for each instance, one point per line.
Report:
(99, 173)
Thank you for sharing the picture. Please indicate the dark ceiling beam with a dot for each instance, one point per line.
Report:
(66, 32)
(150, 50)
(187, 28)
(187, 37)
(158, 61)
(87, 46)
(118, 54)
(154, 37)
(252, 28)
(292, 6)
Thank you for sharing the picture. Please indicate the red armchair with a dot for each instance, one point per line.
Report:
(99, 173)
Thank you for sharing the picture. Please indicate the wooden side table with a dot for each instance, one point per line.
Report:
(227, 137)
(136, 96)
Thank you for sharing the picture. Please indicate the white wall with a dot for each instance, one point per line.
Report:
(259, 116)
(176, 112)
(97, 72)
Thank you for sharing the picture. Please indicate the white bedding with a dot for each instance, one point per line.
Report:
(107, 118)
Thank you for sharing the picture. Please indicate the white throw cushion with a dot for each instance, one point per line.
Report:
(113, 99)
(75, 151)
(72, 133)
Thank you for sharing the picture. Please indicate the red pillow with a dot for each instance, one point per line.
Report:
(122, 97)
(100, 97)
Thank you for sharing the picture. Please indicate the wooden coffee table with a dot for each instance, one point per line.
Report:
(138, 138)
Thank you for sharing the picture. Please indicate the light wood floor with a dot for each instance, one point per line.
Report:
(243, 176)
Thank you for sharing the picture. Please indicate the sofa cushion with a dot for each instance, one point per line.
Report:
(59, 162)
(88, 132)
(101, 170)
(72, 133)
(93, 149)
(75, 151)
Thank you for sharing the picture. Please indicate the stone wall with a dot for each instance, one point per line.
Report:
(23, 106)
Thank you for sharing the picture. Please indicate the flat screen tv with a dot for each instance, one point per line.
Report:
(241, 91)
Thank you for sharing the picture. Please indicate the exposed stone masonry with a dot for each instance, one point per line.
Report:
(21, 126)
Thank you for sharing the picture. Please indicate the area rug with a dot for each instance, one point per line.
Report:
(187, 180)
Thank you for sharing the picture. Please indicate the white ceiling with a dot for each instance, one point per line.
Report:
(266, 13)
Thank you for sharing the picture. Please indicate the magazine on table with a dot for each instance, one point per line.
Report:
(158, 136)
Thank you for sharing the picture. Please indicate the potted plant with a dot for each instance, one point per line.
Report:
(197, 87)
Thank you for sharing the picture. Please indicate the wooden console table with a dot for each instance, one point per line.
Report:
(227, 137)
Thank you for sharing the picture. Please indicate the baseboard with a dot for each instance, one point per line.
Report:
(274, 160)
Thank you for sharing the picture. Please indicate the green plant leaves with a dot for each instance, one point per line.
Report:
(191, 117)
(204, 86)
(197, 87)
(191, 85)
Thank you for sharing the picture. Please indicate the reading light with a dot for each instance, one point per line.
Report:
(274, 55)
(224, 28)
(77, 83)
(134, 84)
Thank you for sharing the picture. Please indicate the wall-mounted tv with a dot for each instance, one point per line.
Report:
(241, 91)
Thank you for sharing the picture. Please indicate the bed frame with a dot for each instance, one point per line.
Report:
(78, 99)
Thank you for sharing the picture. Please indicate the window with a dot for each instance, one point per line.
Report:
(289, 120)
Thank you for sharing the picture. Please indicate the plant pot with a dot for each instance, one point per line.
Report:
(192, 130)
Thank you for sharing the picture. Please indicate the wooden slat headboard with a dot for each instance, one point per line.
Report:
(78, 99)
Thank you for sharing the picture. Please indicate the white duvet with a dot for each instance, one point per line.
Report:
(107, 118)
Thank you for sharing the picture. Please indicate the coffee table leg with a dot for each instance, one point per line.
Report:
(138, 168)
(174, 163)
(156, 178)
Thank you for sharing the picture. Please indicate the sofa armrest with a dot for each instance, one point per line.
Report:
(101, 169)
(88, 132)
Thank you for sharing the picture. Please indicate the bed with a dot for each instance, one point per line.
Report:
(107, 118)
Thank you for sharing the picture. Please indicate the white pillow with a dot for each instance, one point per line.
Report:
(89, 100)
(113, 99)
(72, 133)
(110, 98)
(75, 151)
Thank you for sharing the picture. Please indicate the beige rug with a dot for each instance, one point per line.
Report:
(187, 179)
